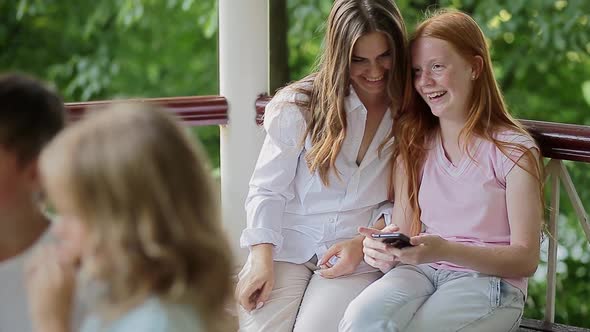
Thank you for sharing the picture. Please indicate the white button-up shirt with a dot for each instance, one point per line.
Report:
(290, 207)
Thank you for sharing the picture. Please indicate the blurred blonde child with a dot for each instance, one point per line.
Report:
(137, 210)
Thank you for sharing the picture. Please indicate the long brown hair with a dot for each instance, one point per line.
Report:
(329, 85)
(143, 189)
(415, 126)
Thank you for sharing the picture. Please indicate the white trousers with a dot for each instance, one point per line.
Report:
(303, 301)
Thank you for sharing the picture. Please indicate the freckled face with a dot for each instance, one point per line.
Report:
(370, 65)
(442, 77)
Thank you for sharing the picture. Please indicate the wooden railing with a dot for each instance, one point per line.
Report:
(558, 142)
(193, 111)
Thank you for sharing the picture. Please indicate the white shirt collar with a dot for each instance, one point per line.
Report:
(352, 101)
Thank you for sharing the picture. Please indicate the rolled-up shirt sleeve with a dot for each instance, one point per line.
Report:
(271, 185)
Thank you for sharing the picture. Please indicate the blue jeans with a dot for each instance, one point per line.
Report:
(421, 298)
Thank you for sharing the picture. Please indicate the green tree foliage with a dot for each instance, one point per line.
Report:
(94, 50)
(114, 48)
(108, 49)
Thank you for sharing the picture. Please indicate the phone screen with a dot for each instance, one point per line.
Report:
(396, 240)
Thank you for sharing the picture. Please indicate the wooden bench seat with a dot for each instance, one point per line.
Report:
(528, 325)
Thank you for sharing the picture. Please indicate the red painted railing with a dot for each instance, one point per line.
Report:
(193, 111)
(260, 105)
(557, 140)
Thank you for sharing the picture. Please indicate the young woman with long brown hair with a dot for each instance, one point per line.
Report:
(320, 174)
(467, 190)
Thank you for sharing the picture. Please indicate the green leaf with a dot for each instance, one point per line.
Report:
(586, 92)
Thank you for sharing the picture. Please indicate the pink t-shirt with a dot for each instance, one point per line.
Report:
(466, 202)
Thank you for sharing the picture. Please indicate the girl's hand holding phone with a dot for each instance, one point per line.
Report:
(377, 253)
(425, 249)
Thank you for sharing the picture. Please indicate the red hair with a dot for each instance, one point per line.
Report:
(487, 115)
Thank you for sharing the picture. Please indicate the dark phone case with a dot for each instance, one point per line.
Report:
(396, 240)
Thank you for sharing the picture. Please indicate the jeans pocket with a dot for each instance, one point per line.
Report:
(511, 296)
(505, 295)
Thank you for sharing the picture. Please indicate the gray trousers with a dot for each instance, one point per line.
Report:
(421, 298)
(303, 301)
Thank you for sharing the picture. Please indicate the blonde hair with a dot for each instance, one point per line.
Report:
(487, 113)
(348, 21)
(144, 191)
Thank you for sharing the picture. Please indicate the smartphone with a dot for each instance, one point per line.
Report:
(396, 240)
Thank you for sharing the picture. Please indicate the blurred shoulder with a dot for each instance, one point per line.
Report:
(153, 315)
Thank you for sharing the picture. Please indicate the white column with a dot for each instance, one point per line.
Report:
(243, 67)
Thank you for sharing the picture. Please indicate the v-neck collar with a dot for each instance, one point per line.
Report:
(383, 130)
(464, 162)
(352, 104)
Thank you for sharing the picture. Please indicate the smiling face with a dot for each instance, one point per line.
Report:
(442, 77)
(370, 65)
